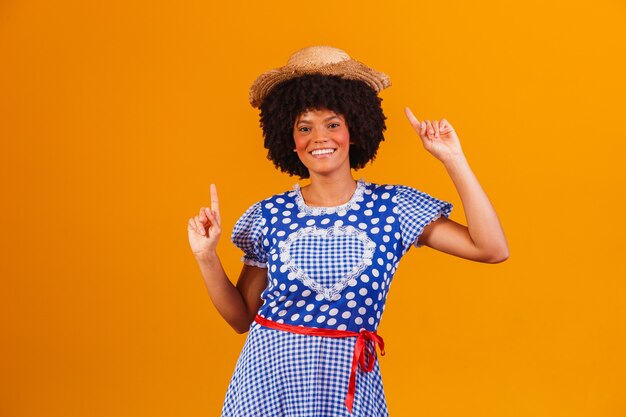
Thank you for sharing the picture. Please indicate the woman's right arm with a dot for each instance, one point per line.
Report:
(236, 304)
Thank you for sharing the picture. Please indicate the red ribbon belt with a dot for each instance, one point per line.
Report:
(360, 357)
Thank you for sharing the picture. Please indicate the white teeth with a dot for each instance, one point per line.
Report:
(322, 151)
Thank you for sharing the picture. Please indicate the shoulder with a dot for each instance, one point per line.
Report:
(393, 192)
(278, 199)
(406, 193)
(379, 189)
(407, 200)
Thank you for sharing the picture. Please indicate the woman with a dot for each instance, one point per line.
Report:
(319, 259)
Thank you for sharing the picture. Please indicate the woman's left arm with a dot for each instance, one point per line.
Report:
(483, 239)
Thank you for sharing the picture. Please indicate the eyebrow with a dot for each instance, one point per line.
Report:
(307, 121)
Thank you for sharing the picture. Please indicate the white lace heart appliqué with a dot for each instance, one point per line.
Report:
(326, 260)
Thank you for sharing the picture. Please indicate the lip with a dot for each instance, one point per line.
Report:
(324, 155)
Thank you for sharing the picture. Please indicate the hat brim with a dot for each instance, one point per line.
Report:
(351, 69)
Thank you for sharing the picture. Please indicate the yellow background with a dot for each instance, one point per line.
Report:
(116, 116)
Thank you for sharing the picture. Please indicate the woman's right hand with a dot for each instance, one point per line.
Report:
(205, 229)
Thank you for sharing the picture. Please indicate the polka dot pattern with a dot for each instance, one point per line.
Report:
(340, 288)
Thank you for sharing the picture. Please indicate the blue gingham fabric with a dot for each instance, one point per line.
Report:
(336, 256)
(416, 210)
(327, 267)
(247, 235)
(287, 374)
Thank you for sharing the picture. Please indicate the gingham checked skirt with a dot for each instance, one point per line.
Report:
(282, 374)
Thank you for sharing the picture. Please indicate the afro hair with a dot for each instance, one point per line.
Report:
(356, 101)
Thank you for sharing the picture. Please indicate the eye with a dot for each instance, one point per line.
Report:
(303, 129)
(332, 125)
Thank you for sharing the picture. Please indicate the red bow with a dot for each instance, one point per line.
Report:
(364, 356)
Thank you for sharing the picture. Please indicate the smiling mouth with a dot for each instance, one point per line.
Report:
(319, 152)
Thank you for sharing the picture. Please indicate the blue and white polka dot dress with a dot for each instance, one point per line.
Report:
(331, 268)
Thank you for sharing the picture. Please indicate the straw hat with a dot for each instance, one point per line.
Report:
(320, 60)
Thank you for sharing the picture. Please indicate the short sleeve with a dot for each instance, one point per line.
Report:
(248, 236)
(416, 210)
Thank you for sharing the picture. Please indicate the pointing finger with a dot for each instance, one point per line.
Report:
(215, 203)
(420, 127)
(215, 226)
(412, 119)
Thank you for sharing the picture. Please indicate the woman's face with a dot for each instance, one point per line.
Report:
(322, 141)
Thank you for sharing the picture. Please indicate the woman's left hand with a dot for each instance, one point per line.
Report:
(438, 137)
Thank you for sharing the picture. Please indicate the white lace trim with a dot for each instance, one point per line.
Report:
(341, 209)
(252, 262)
(331, 294)
(419, 245)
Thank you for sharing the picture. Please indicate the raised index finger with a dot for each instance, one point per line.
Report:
(412, 118)
(215, 203)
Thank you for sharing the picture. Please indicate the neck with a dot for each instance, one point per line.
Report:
(329, 191)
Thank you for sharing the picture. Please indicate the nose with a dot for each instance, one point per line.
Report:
(320, 136)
